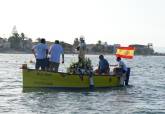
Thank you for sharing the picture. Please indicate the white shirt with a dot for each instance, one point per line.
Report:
(122, 65)
(55, 51)
(40, 50)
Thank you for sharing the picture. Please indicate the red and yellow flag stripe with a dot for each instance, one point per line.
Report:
(125, 52)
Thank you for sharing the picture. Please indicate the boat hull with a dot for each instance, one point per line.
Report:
(43, 79)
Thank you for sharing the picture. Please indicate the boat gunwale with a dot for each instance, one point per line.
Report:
(110, 75)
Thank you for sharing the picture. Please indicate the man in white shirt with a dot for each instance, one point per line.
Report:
(122, 65)
(40, 52)
(55, 51)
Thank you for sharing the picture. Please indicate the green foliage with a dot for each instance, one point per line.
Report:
(22, 36)
(83, 64)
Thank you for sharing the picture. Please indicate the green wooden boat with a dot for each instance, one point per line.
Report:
(43, 79)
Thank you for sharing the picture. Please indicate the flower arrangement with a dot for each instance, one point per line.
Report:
(85, 65)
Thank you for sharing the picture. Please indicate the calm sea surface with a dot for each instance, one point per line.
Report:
(146, 95)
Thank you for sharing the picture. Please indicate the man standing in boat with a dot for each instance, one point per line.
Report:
(82, 49)
(55, 51)
(40, 52)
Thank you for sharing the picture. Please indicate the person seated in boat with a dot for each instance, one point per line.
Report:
(121, 65)
(40, 52)
(103, 65)
(55, 51)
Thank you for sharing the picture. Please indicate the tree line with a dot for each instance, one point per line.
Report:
(19, 41)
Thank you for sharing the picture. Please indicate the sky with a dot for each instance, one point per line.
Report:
(114, 21)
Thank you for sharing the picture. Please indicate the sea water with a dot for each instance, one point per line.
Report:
(145, 95)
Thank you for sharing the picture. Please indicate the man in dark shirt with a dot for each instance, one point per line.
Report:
(103, 65)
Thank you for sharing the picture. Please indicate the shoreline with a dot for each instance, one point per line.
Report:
(10, 51)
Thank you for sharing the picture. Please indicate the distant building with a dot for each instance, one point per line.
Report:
(28, 44)
(1, 42)
(89, 47)
(150, 45)
(68, 48)
(143, 49)
(4, 43)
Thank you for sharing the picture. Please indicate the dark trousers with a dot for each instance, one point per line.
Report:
(105, 71)
(54, 66)
(40, 63)
(127, 76)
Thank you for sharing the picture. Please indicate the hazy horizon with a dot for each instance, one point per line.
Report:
(113, 21)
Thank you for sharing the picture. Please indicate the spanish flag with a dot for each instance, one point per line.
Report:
(125, 52)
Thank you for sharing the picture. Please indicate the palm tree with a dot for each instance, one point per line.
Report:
(15, 41)
(22, 40)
